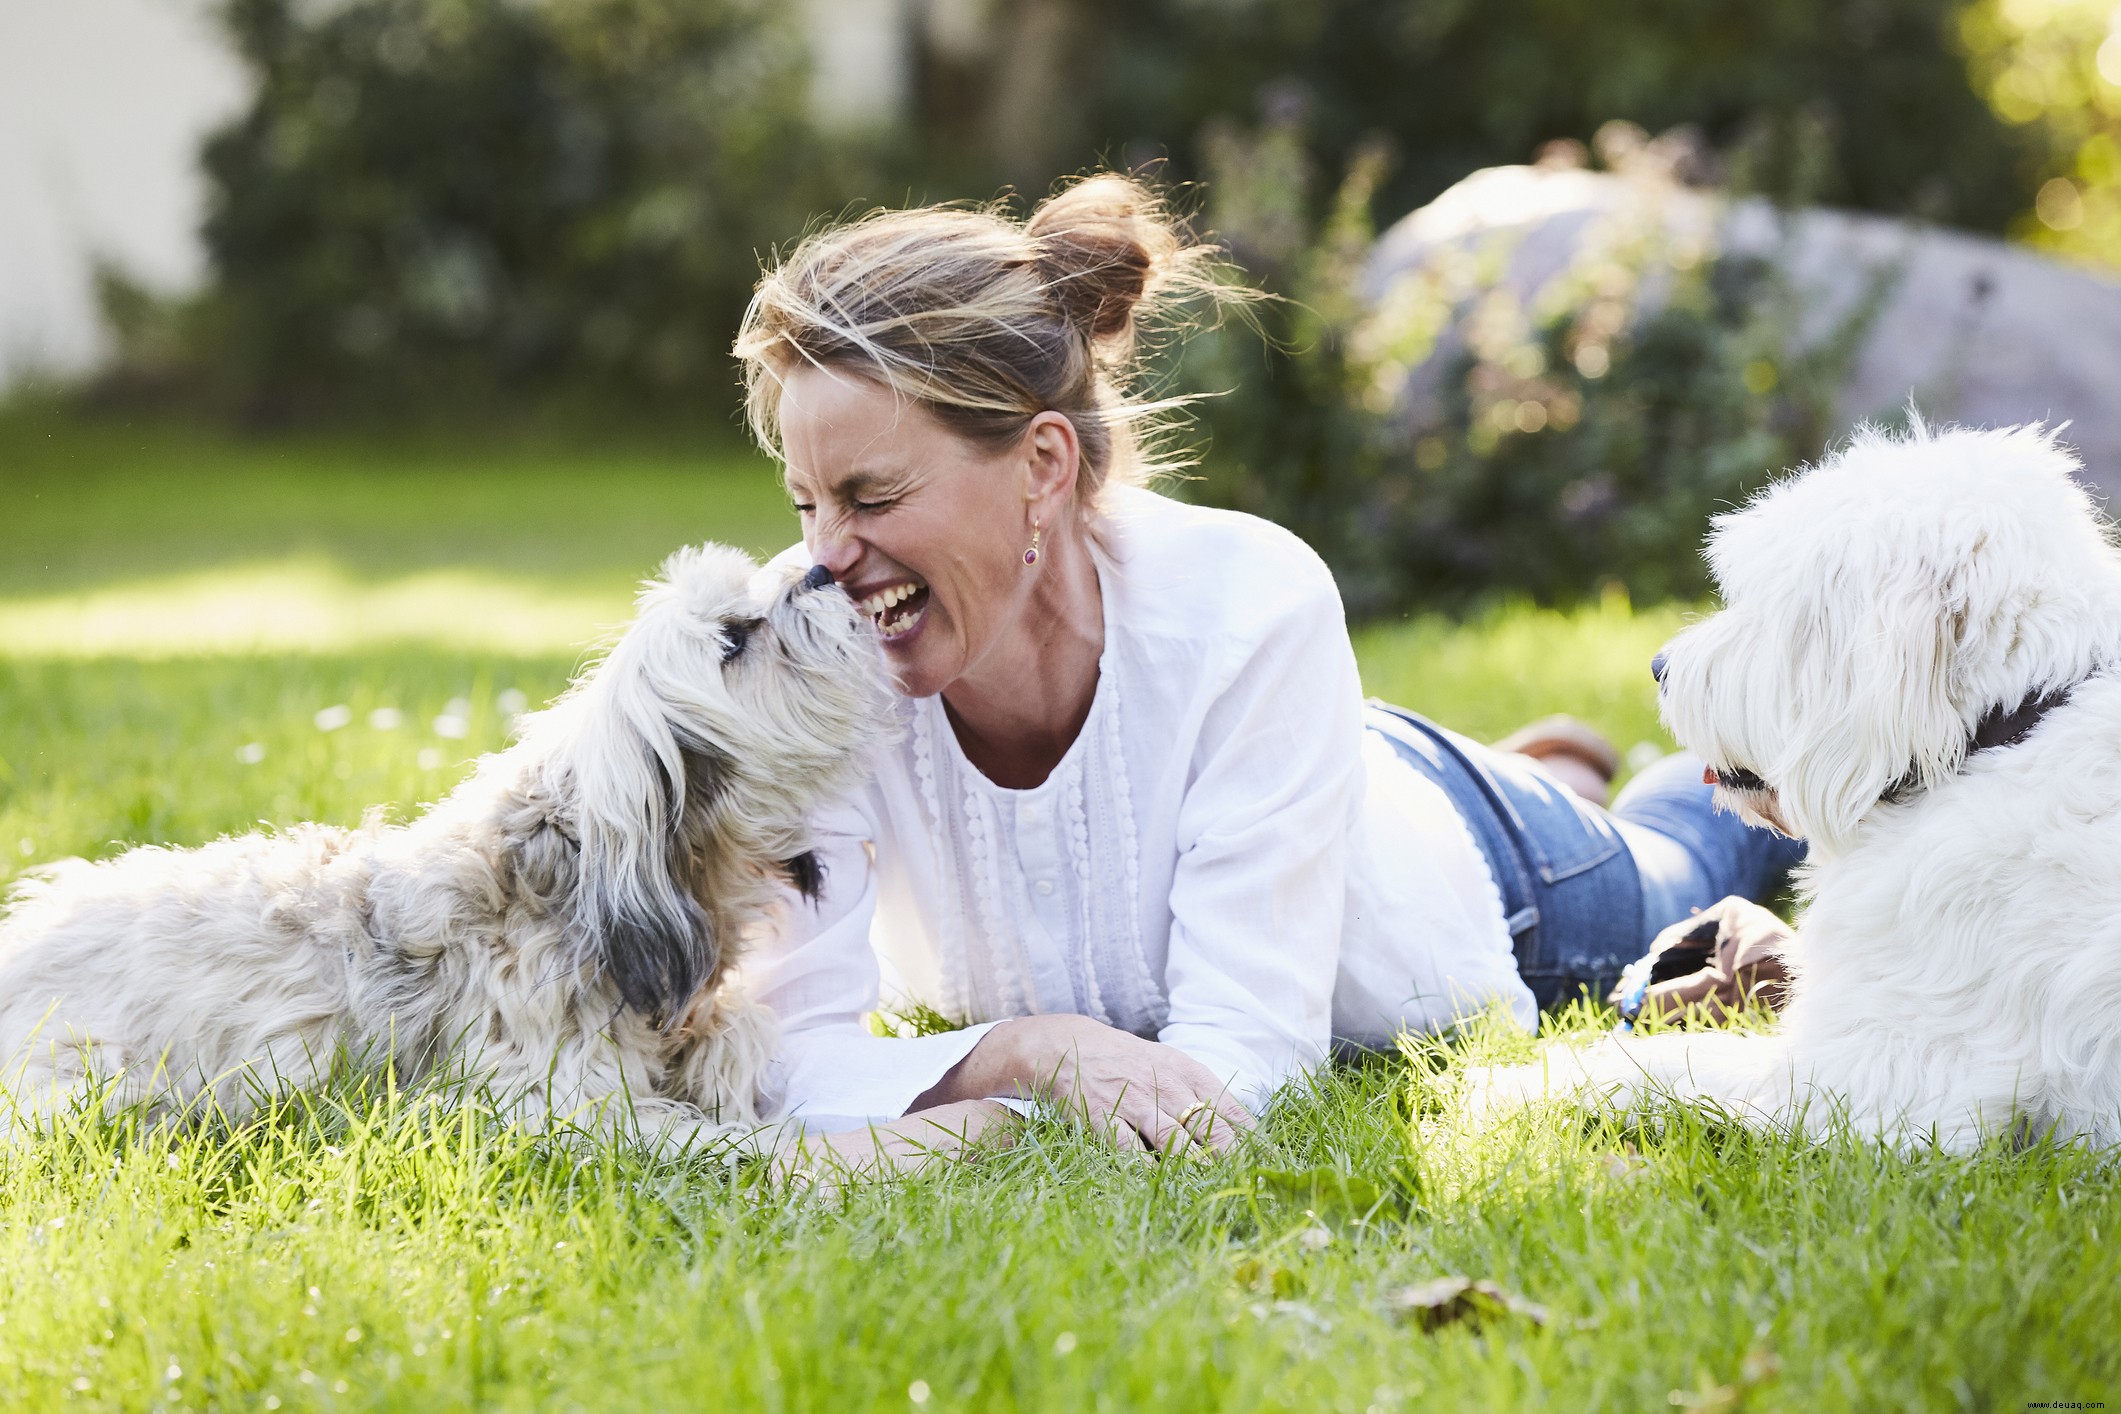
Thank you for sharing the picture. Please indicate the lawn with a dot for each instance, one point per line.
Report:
(178, 608)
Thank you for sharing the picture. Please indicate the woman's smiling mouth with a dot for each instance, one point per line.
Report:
(896, 609)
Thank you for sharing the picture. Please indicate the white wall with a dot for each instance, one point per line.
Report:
(860, 52)
(102, 107)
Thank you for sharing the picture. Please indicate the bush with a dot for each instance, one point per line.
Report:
(1575, 440)
(1454, 85)
(444, 199)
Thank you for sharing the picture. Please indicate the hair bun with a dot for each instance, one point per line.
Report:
(1103, 245)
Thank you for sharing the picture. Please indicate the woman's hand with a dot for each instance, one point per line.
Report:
(1141, 1093)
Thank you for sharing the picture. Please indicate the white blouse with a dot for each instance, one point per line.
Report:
(1224, 859)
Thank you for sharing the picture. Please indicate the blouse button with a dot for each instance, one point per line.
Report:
(1027, 812)
(1044, 886)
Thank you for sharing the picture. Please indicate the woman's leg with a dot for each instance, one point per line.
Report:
(1586, 889)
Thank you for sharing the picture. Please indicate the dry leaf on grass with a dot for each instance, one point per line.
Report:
(1431, 1305)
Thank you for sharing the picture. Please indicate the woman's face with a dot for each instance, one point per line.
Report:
(924, 529)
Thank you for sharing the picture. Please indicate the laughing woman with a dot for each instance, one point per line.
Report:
(1140, 826)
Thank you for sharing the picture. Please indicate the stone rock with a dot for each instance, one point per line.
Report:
(1973, 329)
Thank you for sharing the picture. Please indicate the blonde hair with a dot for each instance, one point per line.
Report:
(987, 321)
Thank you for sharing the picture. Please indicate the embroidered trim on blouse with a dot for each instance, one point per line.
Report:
(1012, 992)
(955, 951)
(978, 946)
(1079, 856)
(1153, 1003)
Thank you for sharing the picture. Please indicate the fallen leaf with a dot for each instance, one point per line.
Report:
(1431, 1305)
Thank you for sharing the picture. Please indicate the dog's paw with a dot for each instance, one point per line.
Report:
(1562, 1072)
(1494, 1090)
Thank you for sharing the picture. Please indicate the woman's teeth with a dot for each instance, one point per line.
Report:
(879, 605)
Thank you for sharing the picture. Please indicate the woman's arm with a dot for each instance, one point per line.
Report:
(1142, 1092)
(818, 975)
(1265, 834)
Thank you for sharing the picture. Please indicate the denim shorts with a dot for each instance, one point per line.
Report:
(1585, 889)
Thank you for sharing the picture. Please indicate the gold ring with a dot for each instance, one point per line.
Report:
(1185, 1116)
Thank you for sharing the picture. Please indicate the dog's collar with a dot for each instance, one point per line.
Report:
(1998, 728)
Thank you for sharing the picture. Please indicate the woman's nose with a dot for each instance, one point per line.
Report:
(831, 550)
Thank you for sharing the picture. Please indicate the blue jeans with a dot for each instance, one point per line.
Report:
(1585, 889)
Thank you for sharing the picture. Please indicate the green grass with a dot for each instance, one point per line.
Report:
(375, 1250)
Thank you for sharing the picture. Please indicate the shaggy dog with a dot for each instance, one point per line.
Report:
(562, 927)
(1918, 670)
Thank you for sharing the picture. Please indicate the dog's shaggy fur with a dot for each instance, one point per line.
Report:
(1957, 970)
(562, 927)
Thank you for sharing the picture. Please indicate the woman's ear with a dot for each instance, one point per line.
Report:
(1053, 462)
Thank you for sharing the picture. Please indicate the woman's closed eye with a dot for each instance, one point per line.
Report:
(809, 508)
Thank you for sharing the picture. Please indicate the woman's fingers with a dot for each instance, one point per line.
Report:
(1143, 1093)
(1210, 1124)
(1133, 1127)
(1169, 1119)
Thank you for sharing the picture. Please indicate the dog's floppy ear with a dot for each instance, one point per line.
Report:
(1871, 673)
(636, 901)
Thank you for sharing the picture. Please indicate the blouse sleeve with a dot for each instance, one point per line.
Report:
(1264, 836)
(818, 974)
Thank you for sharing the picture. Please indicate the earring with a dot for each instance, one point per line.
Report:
(1031, 555)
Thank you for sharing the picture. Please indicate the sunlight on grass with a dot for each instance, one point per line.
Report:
(370, 1247)
(306, 606)
(1517, 663)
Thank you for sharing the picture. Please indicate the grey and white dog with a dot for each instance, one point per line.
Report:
(563, 926)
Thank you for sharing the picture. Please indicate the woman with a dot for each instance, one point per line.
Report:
(1140, 825)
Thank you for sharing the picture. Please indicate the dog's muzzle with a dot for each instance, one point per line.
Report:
(818, 578)
(1659, 661)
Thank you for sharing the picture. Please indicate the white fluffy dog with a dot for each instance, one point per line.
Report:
(1918, 670)
(563, 926)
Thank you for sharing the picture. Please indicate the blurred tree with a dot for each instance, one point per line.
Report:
(444, 199)
(1576, 434)
(1454, 85)
(2053, 69)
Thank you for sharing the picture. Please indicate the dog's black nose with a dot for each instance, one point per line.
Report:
(1657, 664)
(818, 577)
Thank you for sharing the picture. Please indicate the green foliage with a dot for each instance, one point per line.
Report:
(2053, 71)
(372, 1249)
(1454, 85)
(1447, 435)
(433, 201)
(439, 204)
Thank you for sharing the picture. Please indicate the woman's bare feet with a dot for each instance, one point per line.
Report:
(1570, 750)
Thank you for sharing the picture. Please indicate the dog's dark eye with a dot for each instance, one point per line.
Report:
(735, 634)
(1736, 778)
